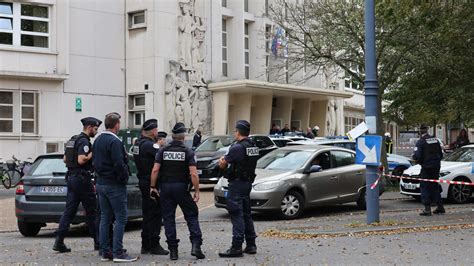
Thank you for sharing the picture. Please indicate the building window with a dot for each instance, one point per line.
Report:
(351, 122)
(246, 51)
(52, 147)
(137, 19)
(136, 110)
(224, 3)
(246, 5)
(266, 8)
(224, 48)
(268, 47)
(18, 112)
(351, 82)
(24, 25)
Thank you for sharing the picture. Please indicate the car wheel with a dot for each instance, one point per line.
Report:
(29, 229)
(459, 193)
(292, 205)
(361, 202)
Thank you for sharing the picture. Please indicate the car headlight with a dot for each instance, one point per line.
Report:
(444, 173)
(267, 185)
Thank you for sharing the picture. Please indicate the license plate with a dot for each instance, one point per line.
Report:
(199, 172)
(51, 189)
(410, 186)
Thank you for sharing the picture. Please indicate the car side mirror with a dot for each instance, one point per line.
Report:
(314, 169)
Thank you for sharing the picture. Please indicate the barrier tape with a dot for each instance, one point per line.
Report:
(423, 179)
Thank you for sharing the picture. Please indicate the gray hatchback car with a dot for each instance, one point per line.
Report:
(41, 196)
(293, 178)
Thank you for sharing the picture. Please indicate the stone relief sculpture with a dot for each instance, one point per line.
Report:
(187, 97)
(330, 82)
(331, 118)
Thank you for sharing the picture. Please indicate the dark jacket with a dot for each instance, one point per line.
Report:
(110, 160)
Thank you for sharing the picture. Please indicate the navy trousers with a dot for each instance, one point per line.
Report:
(239, 207)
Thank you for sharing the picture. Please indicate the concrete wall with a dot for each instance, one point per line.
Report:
(282, 111)
(318, 115)
(261, 114)
(301, 112)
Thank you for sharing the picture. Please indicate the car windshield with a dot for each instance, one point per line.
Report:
(462, 155)
(283, 160)
(215, 143)
(48, 166)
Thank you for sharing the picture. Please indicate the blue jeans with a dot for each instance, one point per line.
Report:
(113, 202)
(239, 207)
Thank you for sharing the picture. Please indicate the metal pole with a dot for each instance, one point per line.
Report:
(371, 95)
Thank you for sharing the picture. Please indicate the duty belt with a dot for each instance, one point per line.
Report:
(80, 173)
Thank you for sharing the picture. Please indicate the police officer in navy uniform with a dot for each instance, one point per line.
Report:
(161, 140)
(144, 152)
(242, 158)
(428, 154)
(174, 165)
(79, 177)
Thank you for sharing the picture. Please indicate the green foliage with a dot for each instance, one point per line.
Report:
(424, 52)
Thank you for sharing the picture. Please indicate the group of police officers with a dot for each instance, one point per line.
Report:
(166, 174)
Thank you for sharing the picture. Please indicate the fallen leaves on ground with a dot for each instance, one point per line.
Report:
(289, 235)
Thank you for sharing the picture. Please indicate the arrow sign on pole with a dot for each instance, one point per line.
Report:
(368, 150)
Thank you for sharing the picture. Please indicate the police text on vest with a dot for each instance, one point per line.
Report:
(253, 151)
(174, 156)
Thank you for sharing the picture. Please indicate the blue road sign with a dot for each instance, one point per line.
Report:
(368, 150)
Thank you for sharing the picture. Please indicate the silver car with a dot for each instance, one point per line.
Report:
(293, 178)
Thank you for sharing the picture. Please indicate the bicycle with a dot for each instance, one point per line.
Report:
(6, 180)
(17, 169)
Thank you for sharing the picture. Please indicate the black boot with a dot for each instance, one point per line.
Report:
(145, 250)
(426, 211)
(158, 250)
(440, 209)
(173, 253)
(197, 252)
(251, 247)
(232, 252)
(59, 245)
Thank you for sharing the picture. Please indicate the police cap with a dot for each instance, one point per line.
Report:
(162, 135)
(179, 128)
(243, 125)
(91, 121)
(150, 124)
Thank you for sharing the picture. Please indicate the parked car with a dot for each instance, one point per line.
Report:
(294, 178)
(41, 196)
(211, 149)
(456, 166)
(280, 141)
(396, 163)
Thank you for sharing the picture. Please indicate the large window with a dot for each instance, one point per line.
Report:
(246, 5)
(24, 25)
(246, 51)
(268, 49)
(224, 48)
(18, 112)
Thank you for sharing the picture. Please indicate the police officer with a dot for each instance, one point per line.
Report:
(174, 164)
(80, 189)
(428, 154)
(161, 140)
(144, 152)
(388, 142)
(242, 157)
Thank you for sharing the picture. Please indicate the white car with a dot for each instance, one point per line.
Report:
(458, 166)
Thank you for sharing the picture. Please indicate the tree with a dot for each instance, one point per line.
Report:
(417, 44)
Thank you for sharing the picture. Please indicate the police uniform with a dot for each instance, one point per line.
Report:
(174, 179)
(79, 186)
(144, 152)
(242, 157)
(428, 154)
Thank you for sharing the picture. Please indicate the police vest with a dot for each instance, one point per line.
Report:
(143, 161)
(71, 153)
(431, 151)
(174, 168)
(245, 169)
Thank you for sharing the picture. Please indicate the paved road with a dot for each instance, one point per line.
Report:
(319, 226)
